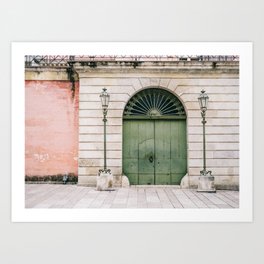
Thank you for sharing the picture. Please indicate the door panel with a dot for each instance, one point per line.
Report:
(162, 152)
(130, 150)
(146, 159)
(178, 151)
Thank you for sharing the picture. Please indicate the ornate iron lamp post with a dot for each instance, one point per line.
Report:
(105, 97)
(203, 101)
(105, 177)
(206, 180)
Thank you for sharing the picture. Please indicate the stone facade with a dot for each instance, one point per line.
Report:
(185, 79)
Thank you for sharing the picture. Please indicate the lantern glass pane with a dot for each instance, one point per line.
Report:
(107, 100)
(206, 102)
(102, 99)
(200, 102)
(203, 102)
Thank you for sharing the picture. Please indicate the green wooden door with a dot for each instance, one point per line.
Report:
(154, 151)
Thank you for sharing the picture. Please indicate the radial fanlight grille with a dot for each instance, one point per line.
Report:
(154, 102)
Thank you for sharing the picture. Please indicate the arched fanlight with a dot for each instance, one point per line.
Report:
(154, 102)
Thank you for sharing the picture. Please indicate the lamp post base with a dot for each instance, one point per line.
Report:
(206, 184)
(104, 181)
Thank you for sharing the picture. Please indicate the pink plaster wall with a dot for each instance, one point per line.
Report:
(51, 128)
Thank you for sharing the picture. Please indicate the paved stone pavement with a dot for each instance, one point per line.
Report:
(74, 196)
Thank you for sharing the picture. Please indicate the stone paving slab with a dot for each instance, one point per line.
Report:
(74, 196)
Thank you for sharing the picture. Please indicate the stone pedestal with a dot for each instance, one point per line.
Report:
(206, 184)
(125, 182)
(104, 181)
(185, 182)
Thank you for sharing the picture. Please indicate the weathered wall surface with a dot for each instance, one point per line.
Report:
(58, 143)
(222, 129)
(51, 125)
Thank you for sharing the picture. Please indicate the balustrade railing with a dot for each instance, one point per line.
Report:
(64, 60)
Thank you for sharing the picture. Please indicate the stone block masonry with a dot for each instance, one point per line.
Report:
(222, 130)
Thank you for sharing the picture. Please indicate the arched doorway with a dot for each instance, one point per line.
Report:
(154, 138)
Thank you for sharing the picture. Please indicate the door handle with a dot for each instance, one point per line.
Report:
(150, 159)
